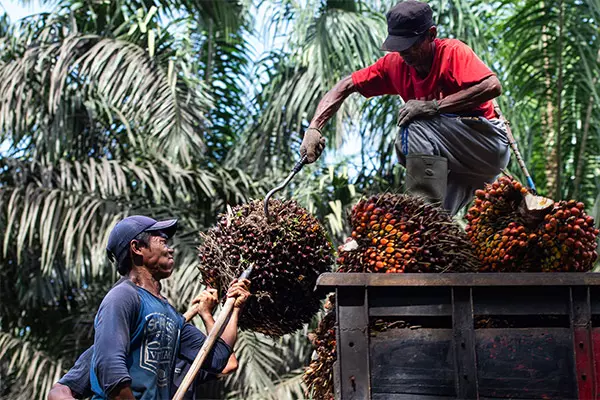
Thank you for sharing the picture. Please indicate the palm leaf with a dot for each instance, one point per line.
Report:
(36, 369)
(259, 361)
(116, 73)
(322, 55)
(67, 212)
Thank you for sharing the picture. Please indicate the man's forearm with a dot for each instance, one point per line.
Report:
(232, 363)
(209, 322)
(189, 315)
(332, 101)
(231, 366)
(229, 335)
(471, 97)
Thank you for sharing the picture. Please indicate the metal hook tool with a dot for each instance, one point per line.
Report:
(295, 170)
(533, 202)
(513, 145)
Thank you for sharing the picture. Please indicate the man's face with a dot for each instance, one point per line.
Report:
(419, 54)
(158, 257)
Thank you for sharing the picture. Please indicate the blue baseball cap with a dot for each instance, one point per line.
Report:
(128, 228)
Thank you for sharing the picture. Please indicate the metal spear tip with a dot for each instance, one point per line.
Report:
(295, 170)
(247, 272)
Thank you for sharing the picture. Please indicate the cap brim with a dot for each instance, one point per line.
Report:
(168, 227)
(398, 43)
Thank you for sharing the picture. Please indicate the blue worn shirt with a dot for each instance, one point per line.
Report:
(137, 341)
(77, 379)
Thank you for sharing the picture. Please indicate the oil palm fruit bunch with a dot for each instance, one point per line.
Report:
(401, 233)
(288, 253)
(567, 238)
(498, 232)
(512, 232)
(318, 376)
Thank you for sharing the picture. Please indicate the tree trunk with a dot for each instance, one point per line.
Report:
(547, 119)
(584, 138)
(209, 52)
(559, 88)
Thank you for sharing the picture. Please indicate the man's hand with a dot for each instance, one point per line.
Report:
(204, 304)
(312, 145)
(417, 108)
(60, 392)
(239, 290)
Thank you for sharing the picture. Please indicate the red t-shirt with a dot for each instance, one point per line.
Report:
(455, 67)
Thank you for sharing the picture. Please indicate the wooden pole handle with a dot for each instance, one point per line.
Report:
(208, 345)
(515, 148)
(210, 341)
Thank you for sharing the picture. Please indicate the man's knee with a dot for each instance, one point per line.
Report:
(416, 138)
(424, 124)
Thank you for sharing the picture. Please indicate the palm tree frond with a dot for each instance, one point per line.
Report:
(35, 368)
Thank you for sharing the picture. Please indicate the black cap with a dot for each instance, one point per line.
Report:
(407, 21)
(128, 228)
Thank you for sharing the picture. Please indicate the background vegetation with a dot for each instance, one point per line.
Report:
(180, 107)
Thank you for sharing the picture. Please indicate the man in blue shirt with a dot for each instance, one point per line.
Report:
(138, 334)
(76, 382)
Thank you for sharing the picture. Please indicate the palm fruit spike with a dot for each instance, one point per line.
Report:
(318, 376)
(559, 238)
(400, 233)
(288, 253)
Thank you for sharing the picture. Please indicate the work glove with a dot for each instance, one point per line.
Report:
(417, 108)
(312, 145)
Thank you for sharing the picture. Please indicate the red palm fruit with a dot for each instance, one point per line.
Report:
(548, 246)
(567, 213)
(589, 220)
(418, 237)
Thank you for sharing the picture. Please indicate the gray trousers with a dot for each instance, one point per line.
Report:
(476, 149)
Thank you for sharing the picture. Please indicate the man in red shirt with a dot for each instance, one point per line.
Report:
(451, 139)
